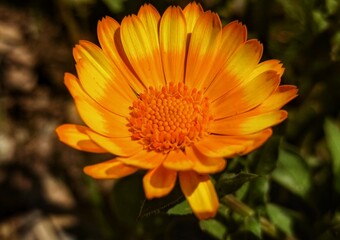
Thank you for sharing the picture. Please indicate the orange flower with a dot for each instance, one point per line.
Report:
(174, 95)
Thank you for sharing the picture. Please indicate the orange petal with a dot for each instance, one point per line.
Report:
(102, 80)
(159, 182)
(246, 96)
(247, 123)
(215, 146)
(269, 65)
(278, 99)
(233, 35)
(143, 159)
(141, 48)
(118, 146)
(192, 12)
(205, 164)
(76, 137)
(236, 70)
(94, 115)
(111, 169)
(109, 38)
(177, 160)
(200, 193)
(202, 61)
(255, 140)
(173, 37)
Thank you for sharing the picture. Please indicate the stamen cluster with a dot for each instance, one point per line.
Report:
(170, 118)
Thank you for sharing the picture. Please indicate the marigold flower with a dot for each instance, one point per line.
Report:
(174, 95)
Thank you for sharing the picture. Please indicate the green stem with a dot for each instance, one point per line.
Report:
(239, 207)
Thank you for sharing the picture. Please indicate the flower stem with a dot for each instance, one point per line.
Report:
(239, 207)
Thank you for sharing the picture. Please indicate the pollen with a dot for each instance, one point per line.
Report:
(170, 118)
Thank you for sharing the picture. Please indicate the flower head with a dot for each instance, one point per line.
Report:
(174, 95)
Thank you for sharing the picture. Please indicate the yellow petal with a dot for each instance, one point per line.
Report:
(255, 140)
(102, 80)
(142, 49)
(159, 182)
(200, 193)
(177, 160)
(94, 115)
(173, 38)
(202, 61)
(76, 137)
(118, 146)
(268, 65)
(205, 164)
(143, 159)
(278, 99)
(111, 169)
(109, 38)
(233, 35)
(192, 12)
(236, 70)
(215, 146)
(247, 123)
(246, 96)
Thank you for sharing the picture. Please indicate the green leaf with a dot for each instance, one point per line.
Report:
(258, 190)
(267, 157)
(182, 208)
(332, 6)
(115, 5)
(213, 227)
(252, 225)
(279, 217)
(292, 173)
(332, 133)
(230, 182)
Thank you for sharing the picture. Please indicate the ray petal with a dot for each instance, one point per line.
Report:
(215, 146)
(247, 123)
(158, 182)
(76, 137)
(173, 38)
(143, 159)
(192, 12)
(200, 193)
(141, 44)
(278, 99)
(202, 61)
(124, 146)
(111, 169)
(236, 70)
(177, 160)
(205, 164)
(246, 96)
(108, 31)
(94, 115)
(101, 79)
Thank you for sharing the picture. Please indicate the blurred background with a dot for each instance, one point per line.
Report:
(44, 194)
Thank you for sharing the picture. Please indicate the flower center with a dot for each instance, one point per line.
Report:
(171, 118)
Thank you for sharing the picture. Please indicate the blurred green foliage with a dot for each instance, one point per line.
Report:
(287, 189)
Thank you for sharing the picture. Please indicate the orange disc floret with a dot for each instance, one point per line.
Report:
(171, 118)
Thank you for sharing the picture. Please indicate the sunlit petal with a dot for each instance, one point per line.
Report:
(200, 193)
(173, 43)
(158, 182)
(76, 137)
(111, 169)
